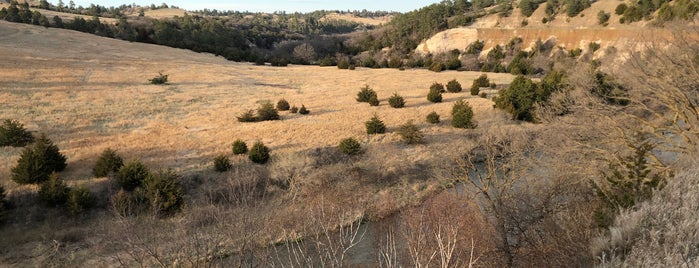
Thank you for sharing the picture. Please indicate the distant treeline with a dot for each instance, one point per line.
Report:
(240, 37)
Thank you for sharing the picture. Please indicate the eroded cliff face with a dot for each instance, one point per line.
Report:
(624, 40)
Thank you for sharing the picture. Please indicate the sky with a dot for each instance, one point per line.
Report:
(272, 5)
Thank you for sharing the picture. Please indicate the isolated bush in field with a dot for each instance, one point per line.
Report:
(493, 85)
(109, 162)
(159, 80)
(37, 162)
(454, 86)
(374, 101)
(435, 95)
(53, 192)
(259, 153)
(303, 110)
(437, 67)
(365, 94)
(164, 194)
(13, 133)
(475, 89)
(283, 105)
(433, 118)
(248, 116)
(484, 95)
(410, 133)
(343, 64)
(79, 200)
(437, 87)
(266, 112)
(482, 81)
(462, 115)
(375, 125)
(132, 175)
(239, 147)
(294, 109)
(350, 146)
(222, 163)
(396, 101)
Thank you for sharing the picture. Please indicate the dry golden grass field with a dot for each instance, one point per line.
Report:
(88, 93)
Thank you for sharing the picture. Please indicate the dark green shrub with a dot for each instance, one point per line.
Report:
(53, 192)
(396, 101)
(294, 109)
(475, 48)
(454, 86)
(109, 162)
(259, 153)
(37, 162)
(365, 94)
(453, 64)
(132, 175)
(343, 64)
(374, 101)
(602, 17)
(159, 80)
(352, 67)
(482, 81)
(163, 192)
(239, 147)
(350, 146)
(437, 67)
(475, 89)
(283, 105)
(434, 96)
(266, 112)
(574, 53)
(222, 163)
(375, 125)
(410, 133)
(462, 115)
(620, 9)
(248, 116)
(13, 133)
(303, 110)
(438, 87)
(484, 95)
(527, 7)
(433, 118)
(79, 200)
(518, 99)
(593, 46)
(493, 85)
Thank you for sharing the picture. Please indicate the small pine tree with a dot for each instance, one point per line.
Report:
(109, 162)
(462, 115)
(374, 101)
(165, 195)
(259, 153)
(79, 200)
(437, 87)
(13, 133)
(433, 118)
(482, 81)
(37, 162)
(434, 95)
(132, 175)
(294, 109)
(248, 116)
(410, 133)
(239, 147)
(283, 105)
(396, 101)
(454, 86)
(303, 110)
(221, 163)
(475, 89)
(53, 192)
(350, 146)
(365, 94)
(266, 112)
(375, 125)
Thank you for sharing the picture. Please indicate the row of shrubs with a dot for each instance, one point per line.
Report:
(268, 112)
(258, 154)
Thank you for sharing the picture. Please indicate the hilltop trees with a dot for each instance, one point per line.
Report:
(37, 162)
(13, 133)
